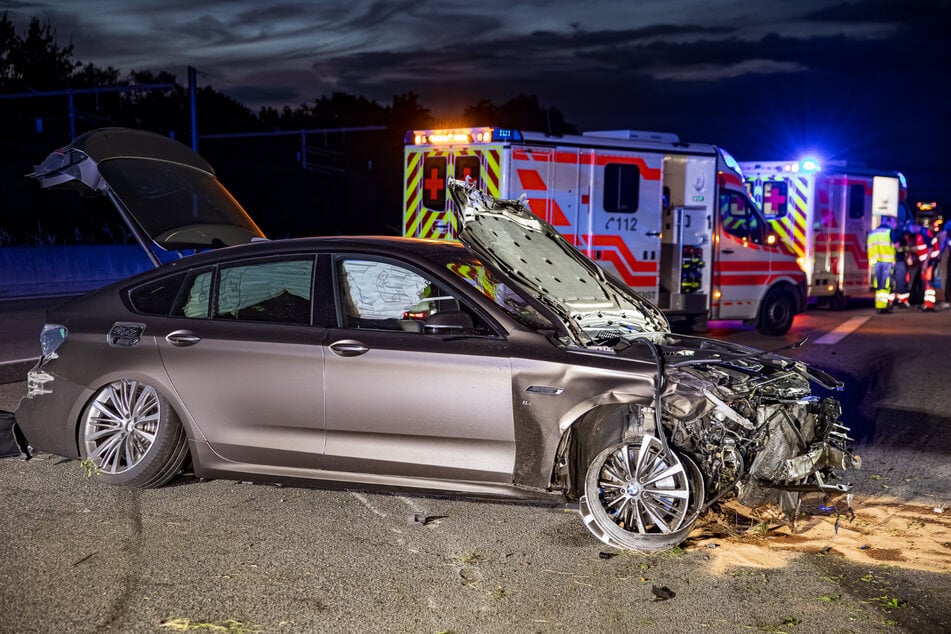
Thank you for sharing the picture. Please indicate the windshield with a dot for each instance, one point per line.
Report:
(487, 282)
(178, 206)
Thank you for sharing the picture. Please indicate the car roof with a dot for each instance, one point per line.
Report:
(395, 245)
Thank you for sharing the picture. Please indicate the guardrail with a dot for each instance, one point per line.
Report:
(66, 270)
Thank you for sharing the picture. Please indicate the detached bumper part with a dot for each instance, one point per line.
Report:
(12, 441)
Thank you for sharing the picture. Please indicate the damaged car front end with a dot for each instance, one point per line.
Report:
(725, 420)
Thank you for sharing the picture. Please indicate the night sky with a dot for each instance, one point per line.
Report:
(865, 81)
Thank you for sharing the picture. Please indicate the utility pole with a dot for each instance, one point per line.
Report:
(193, 104)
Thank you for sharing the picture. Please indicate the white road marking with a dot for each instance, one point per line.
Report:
(413, 505)
(844, 329)
(365, 502)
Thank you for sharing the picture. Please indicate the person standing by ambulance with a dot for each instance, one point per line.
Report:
(928, 257)
(940, 253)
(881, 255)
(906, 264)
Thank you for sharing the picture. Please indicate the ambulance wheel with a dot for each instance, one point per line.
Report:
(777, 312)
(838, 301)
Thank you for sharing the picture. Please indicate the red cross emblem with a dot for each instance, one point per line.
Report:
(433, 184)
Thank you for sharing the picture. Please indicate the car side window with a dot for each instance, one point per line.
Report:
(157, 297)
(273, 291)
(382, 295)
(195, 295)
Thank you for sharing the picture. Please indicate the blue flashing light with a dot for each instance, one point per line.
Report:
(809, 164)
(506, 134)
(901, 179)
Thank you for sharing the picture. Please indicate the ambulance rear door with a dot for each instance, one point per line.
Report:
(427, 209)
(852, 195)
(689, 200)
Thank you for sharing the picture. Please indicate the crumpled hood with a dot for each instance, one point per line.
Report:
(507, 234)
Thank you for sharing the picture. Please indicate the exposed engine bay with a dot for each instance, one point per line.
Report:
(734, 422)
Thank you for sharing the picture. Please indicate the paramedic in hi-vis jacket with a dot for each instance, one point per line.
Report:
(881, 255)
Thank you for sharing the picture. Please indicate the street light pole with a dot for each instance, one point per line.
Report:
(193, 104)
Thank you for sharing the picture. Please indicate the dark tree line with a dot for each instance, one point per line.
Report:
(330, 183)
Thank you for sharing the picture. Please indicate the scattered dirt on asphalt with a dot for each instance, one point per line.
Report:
(881, 531)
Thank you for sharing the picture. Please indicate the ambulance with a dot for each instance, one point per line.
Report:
(824, 213)
(672, 220)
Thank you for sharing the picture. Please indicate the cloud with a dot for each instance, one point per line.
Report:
(714, 72)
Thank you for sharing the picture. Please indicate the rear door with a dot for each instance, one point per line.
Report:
(426, 205)
(241, 352)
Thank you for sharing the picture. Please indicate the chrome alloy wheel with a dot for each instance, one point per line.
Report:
(639, 495)
(120, 425)
(643, 488)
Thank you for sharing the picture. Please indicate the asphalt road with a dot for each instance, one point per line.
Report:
(78, 556)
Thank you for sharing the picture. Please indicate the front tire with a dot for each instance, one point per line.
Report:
(132, 435)
(640, 496)
(776, 314)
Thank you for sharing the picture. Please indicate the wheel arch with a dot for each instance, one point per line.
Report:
(588, 434)
(792, 287)
(161, 384)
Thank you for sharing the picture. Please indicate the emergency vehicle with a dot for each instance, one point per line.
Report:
(824, 213)
(672, 220)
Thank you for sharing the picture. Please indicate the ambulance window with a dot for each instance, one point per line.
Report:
(622, 183)
(434, 183)
(775, 196)
(857, 201)
(468, 166)
(739, 218)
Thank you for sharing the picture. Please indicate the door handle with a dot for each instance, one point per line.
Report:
(349, 348)
(728, 251)
(652, 234)
(182, 338)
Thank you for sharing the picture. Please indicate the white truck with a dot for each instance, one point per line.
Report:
(824, 213)
(672, 220)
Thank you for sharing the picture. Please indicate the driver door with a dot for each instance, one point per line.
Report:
(742, 267)
(417, 384)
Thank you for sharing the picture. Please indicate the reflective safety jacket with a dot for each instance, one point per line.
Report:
(937, 246)
(921, 248)
(880, 246)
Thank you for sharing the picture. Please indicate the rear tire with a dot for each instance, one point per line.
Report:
(132, 435)
(838, 301)
(777, 312)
